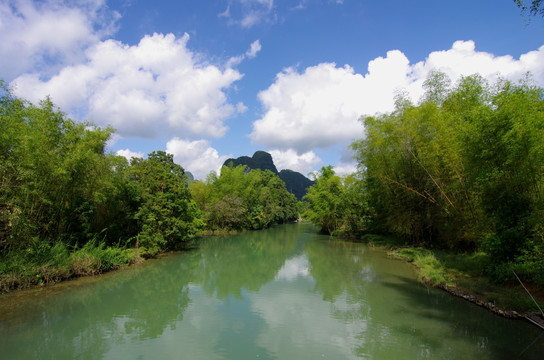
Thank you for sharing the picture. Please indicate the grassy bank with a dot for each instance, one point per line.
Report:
(43, 264)
(465, 275)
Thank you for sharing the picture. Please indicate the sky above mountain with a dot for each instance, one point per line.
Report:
(211, 80)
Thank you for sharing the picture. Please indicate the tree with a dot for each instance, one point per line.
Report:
(240, 199)
(167, 215)
(68, 208)
(54, 175)
(357, 212)
(413, 170)
(505, 158)
(326, 201)
(338, 203)
(412, 173)
(463, 169)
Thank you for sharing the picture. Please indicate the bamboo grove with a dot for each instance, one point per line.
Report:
(462, 170)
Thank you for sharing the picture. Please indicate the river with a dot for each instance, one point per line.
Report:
(282, 293)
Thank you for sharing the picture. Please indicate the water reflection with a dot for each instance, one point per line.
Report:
(337, 267)
(133, 305)
(246, 261)
(284, 293)
(293, 268)
(391, 315)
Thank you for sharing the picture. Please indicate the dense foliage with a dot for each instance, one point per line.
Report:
(166, 213)
(67, 208)
(337, 204)
(240, 199)
(464, 169)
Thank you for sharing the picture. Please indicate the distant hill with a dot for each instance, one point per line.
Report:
(295, 182)
(260, 160)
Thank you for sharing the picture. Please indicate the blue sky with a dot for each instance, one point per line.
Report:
(208, 80)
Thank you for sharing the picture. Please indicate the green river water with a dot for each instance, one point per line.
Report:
(282, 293)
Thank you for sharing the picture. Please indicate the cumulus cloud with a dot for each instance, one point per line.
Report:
(463, 59)
(319, 107)
(289, 159)
(47, 35)
(128, 154)
(143, 90)
(198, 156)
(311, 110)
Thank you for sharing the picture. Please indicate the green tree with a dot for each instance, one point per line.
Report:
(68, 208)
(54, 173)
(506, 163)
(414, 165)
(357, 212)
(338, 204)
(167, 215)
(462, 169)
(240, 199)
(325, 198)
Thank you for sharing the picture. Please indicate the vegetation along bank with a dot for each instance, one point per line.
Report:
(456, 180)
(68, 208)
(459, 178)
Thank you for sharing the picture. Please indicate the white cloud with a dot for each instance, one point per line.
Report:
(347, 164)
(303, 4)
(128, 154)
(253, 49)
(463, 59)
(319, 107)
(289, 159)
(248, 13)
(343, 169)
(198, 156)
(314, 109)
(43, 35)
(155, 86)
(241, 108)
(251, 18)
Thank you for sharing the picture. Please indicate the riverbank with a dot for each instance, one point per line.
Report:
(43, 265)
(464, 276)
(46, 265)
